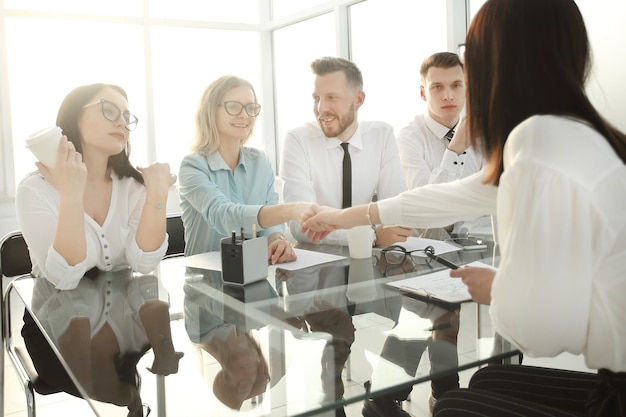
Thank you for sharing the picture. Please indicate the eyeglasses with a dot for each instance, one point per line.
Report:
(234, 108)
(396, 255)
(112, 113)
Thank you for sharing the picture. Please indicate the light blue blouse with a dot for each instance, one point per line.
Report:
(215, 201)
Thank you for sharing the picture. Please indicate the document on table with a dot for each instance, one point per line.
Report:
(307, 258)
(437, 285)
(417, 243)
(213, 260)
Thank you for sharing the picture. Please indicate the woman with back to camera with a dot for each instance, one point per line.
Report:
(95, 212)
(225, 185)
(557, 180)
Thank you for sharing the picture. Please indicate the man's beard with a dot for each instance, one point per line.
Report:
(344, 123)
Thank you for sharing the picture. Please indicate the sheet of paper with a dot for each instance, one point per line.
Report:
(209, 260)
(417, 243)
(213, 260)
(437, 285)
(307, 258)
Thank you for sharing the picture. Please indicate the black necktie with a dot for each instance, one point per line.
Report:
(449, 134)
(347, 177)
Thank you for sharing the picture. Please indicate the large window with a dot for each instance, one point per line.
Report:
(390, 56)
(166, 53)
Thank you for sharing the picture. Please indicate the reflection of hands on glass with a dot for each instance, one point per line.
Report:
(282, 274)
(478, 281)
(244, 372)
(446, 327)
(324, 317)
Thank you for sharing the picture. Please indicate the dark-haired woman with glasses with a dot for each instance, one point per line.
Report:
(91, 215)
(226, 186)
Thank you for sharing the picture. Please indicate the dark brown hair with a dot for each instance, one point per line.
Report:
(67, 120)
(525, 58)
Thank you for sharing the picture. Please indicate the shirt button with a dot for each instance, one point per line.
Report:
(455, 162)
(106, 246)
(102, 235)
(108, 264)
(462, 163)
(106, 257)
(464, 153)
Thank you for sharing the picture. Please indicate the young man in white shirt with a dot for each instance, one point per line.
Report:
(431, 151)
(312, 157)
(427, 152)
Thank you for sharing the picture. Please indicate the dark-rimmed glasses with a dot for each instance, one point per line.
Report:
(234, 108)
(396, 255)
(112, 113)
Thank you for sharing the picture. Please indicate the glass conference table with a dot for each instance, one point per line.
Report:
(298, 343)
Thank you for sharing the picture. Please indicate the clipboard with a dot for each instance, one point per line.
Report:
(437, 286)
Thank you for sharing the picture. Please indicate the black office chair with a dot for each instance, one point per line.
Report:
(15, 263)
(176, 233)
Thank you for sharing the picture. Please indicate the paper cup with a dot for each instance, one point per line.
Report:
(360, 240)
(45, 145)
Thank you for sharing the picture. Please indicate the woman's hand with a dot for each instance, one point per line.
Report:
(69, 175)
(157, 179)
(478, 281)
(280, 250)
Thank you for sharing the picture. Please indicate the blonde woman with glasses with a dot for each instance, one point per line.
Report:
(225, 185)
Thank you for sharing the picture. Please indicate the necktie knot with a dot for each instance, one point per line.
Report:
(450, 134)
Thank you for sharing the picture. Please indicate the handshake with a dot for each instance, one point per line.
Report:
(316, 221)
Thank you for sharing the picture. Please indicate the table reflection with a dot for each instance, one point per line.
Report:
(354, 288)
(101, 329)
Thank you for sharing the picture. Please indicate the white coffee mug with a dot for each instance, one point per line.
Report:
(45, 145)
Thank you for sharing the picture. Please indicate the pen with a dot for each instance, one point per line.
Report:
(253, 230)
(234, 237)
(442, 326)
(242, 236)
(442, 261)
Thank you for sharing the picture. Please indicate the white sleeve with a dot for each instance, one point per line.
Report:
(438, 205)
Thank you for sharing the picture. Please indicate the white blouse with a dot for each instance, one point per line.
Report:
(110, 247)
(561, 207)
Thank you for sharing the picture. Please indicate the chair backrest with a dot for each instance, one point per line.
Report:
(176, 233)
(14, 256)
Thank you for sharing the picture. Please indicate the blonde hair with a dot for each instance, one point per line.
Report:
(207, 139)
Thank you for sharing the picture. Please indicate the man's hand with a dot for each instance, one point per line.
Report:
(386, 236)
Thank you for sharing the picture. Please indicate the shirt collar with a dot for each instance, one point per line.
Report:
(435, 127)
(356, 140)
(217, 163)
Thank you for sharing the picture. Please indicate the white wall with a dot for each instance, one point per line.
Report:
(607, 32)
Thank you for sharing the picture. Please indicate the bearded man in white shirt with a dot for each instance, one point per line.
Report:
(312, 157)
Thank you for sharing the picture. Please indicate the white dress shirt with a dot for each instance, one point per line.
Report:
(110, 247)
(561, 207)
(425, 156)
(311, 169)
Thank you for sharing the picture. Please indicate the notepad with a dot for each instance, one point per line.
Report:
(437, 285)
